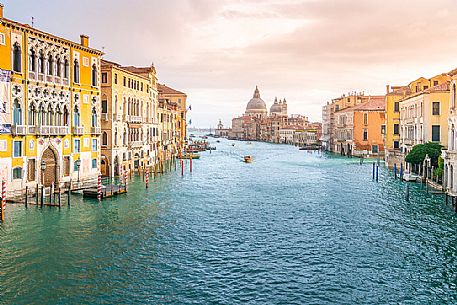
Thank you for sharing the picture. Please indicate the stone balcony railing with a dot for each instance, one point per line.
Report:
(95, 130)
(18, 130)
(136, 119)
(78, 130)
(119, 117)
(51, 130)
(135, 144)
(104, 116)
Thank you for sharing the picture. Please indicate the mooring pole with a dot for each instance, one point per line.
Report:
(99, 187)
(401, 171)
(373, 169)
(377, 172)
(407, 192)
(191, 162)
(147, 177)
(42, 195)
(37, 194)
(26, 195)
(182, 167)
(69, 195)
(3, 200)
(395, 170)
(60, 197)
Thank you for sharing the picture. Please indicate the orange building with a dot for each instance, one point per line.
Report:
(360, 129)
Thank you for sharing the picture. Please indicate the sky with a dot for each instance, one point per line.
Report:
(217, 51)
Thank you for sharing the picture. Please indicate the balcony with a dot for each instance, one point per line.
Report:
(41, 77)
(105, 117)
(136, 119)
(119, 117)
(32, 75)
(95, 130)
(49, 78)
(135, 144)
(18, 130)
(66, 82)
(126, 117)
(78, 131)
(52, 130)
(31, 129)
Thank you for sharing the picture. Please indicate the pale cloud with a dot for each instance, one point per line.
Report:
(308, 51)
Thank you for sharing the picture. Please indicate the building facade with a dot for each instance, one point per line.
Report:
(50, 108)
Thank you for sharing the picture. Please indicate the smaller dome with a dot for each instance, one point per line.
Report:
(275, 108)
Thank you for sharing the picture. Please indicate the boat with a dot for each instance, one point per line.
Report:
(249, 143)
(189, 156)
(410, 177)
(218, 141)
(247, 159)
(233, 144)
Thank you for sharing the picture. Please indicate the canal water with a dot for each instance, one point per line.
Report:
(290, 228)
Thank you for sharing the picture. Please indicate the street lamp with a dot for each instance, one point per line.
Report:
(43, 168)
(78, 164)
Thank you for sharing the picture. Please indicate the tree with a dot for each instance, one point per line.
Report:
(418, 153)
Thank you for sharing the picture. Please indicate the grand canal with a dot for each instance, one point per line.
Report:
(290, 228)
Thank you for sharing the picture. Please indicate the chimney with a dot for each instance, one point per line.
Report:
(388, 88)
(84, 40)
(1, 10)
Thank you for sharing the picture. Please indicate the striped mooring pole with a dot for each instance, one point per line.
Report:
(147, 176)
(99, 187)
(126, 179)
(3, 199)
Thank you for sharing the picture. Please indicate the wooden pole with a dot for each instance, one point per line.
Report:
(26, 195)
(3, 208)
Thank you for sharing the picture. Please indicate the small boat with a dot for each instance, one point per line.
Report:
(218, 141)
(247, 159)
(249, 143)
(410, 177)
(189, 156)
(233, 144)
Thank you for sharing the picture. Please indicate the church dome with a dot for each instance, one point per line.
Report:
(275, 108)
(256, 105)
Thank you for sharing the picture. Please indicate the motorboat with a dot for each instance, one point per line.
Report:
(410, 177)
(247, 159)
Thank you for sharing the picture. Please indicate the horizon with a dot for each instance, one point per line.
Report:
(217, 52)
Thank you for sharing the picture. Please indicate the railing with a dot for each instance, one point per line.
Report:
(32, 75)
(126, 117)
(18, 130)
(95, 130)
(41, 77)
(105, 116)
(78, 130)
(57, 79)
(66, 82)
(31, 130)
(119, 117)
(135, 144)
(136, 119)
(49, 78)
(52, 130)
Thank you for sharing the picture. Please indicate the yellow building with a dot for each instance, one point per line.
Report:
(180, 99)
(50, 108)
(129, 130)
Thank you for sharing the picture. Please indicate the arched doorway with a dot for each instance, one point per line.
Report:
(136, 161)
(104, 168)
(50, 174)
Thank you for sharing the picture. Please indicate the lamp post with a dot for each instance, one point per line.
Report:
(78, 165)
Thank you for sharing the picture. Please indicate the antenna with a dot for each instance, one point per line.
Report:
(33, 21)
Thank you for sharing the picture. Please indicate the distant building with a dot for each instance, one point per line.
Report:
(221, 131)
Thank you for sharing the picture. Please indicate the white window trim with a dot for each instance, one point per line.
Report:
(2, 39)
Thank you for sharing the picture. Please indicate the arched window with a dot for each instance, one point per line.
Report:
(17, 59)
(41, 115)
(50, 65)
(124, 140)
(59, 68)
(105, 139)
(94, 75)
(115, 104)
(94, 117)
(17, 113)
(66, 69)
(65, 116)
(49, 116)
(76, 72)
(32, 60)
(76, 117)
(115, 137)
(104, 105)
(32, 113)
(41, 63)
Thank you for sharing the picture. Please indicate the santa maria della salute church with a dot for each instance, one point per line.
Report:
(276, 126)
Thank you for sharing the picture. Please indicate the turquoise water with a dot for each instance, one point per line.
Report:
(290, 228)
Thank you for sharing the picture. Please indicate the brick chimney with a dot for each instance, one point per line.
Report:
(84, 40)
(1, 10)
(388, 88)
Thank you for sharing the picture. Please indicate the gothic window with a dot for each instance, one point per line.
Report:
(49, 116)
(104, 105)
(41, 115)
(32, 112)
(94, 75)
(76, 72)
(65, 116)
(94, 117)
(41, 63)
(115, 137)
(59, 68)
(32, 58)
(76, 117)
(66, 69)
(17, 113)
(17, 60)
(105, 139)
(453, 95)
(50, 65)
